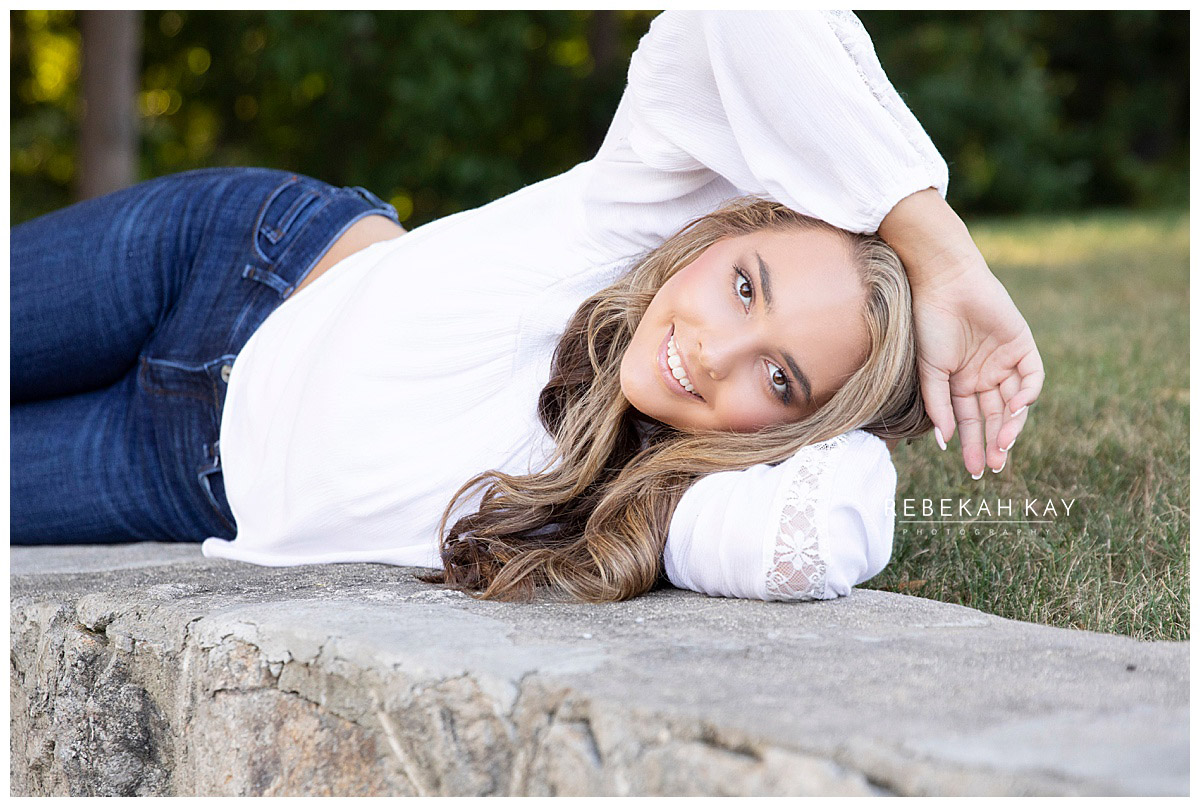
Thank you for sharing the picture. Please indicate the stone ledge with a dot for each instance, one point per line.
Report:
(147, 669)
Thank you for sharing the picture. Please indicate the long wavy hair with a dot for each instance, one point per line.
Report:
(592, 522)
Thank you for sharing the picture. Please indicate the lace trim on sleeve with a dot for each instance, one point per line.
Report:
(797, 571)
(854, 38)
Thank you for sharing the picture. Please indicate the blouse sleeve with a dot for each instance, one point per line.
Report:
(808, 528)
(791, 106)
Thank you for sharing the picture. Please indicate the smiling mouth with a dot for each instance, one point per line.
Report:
(675, 362)
(671, 365)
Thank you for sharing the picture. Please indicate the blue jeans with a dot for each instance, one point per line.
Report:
(127, 312)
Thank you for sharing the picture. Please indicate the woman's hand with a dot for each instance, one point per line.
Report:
(979, 365)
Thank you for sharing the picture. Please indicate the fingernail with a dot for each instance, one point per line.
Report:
(941, 441)
(1001, 468)
(978, 475)
(1019, 411)
(1010, 445)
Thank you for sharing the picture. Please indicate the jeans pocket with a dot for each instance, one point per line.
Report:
(287, 210)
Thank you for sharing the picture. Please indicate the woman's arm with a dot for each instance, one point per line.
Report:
(809, 528)
(794, 106)
(979, 365)
(791, 106)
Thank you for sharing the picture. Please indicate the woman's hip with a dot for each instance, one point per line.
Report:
(94, 284)
(265, 233)
(220, 250)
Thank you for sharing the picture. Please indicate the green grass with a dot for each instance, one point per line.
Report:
(1107, 298)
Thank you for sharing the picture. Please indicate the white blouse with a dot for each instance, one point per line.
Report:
(362, 403)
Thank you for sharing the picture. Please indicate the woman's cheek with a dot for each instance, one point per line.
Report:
(742, 417)
(699, 288)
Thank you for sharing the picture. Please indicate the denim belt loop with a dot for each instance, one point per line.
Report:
(268, 278)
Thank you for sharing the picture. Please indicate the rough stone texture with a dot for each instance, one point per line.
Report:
(146, 669)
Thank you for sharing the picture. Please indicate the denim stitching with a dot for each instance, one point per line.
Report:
(203, 473)
(205, 368)
(262, 212)
(298, 207)
(283, 256)
(267, 278)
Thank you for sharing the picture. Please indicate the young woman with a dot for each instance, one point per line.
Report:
(679, 356)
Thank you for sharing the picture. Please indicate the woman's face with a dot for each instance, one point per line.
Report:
(765, 328)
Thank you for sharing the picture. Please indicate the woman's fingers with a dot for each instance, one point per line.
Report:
(1033, 375)
(986, 428)
(935, 392)
(1011, 426)
(991, 404)
(970, 432)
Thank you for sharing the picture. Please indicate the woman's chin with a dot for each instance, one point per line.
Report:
(638, 402)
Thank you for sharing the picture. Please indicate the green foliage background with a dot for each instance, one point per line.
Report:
(439, 111)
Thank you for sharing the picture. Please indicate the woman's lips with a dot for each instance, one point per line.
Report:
(664, 369)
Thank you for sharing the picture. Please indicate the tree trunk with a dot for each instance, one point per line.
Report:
(108, 138)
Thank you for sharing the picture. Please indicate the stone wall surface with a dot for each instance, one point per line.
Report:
(146, 669)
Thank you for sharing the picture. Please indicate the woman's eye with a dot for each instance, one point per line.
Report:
(780, 383)
(742, 287)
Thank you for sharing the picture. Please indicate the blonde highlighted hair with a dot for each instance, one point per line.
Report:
(592, 523)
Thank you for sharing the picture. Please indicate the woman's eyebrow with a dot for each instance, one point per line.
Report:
(800, 376)
(764, 277)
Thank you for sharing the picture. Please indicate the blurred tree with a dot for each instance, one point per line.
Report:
(1038, 110)
(44, 61)
(435, 111)
(1122, 78)
(604, 41)
(111, 66)
(439, 111)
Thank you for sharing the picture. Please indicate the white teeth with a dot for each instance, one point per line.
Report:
(676, 365)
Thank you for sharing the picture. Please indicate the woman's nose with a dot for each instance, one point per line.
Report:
(717, 355)
(705, 360)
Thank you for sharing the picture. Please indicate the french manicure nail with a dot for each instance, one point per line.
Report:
(1007, 447)
(977, 476)
(1001, 468)
(1019, 411)
(940, 440)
